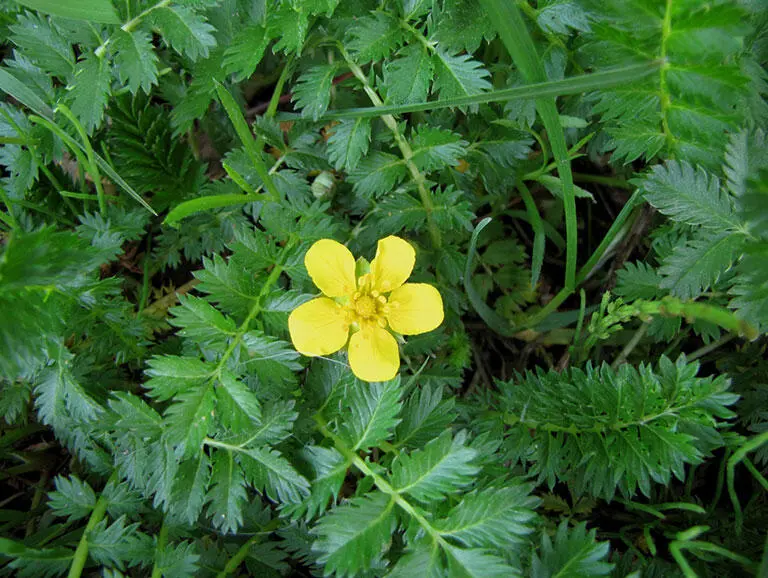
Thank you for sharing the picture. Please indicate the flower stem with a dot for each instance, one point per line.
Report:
(405, 149)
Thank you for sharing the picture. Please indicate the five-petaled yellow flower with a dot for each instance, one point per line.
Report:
(368, 306)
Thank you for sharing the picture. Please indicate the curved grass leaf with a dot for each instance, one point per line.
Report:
(578, 84)
(88, 10)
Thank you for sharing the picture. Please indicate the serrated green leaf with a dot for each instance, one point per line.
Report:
(228, 285)
(424, 562)
(226, 497)
(689, 195)
(440, 468)
(190, 418)
(89, 91)
(200, 322)
(459, 75)
(407, 78)
(272, 360)
(171, 375)
(270, 472)
(375, 37)
(33, 562)
(574, 553)
(312, 91)
(136, 60)
(289, 25)
(491, 518)
(190, 488)
(695, 266)
(41, 40)
(121, 499)
(245, 51)
(435, 149)
(378, 173)
(373, 410)
(118, 543)
(349, 143)
(425, 416)
(73, 498)
(477, 563)
(560, 17)
(555, 186)
(185, 30)
(354, 535)
(178, 560)
(638, 281)
(330, 469)
(238, 408)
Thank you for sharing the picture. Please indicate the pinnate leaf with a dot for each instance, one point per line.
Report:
(353, 535)
(185, 30)
(89, 91)
(73, 498)
(349, 143)
(373, 410)
(443, 466)
(136, 60)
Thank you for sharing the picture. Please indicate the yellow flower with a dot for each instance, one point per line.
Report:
(368, 306)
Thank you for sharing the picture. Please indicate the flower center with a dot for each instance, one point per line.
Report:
(366, 306)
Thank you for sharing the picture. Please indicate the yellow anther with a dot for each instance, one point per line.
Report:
(374, 294)
(382, 299)
(365, 307)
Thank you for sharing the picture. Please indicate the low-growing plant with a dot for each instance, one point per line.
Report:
(398, 288)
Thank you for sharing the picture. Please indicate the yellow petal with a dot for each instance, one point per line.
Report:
(318, 327)
(393, 263)
(415, 308)
(332, 268)
(373, 354)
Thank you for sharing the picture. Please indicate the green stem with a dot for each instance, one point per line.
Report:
(162, 540)
(92, 168)
(602, 180)
(402, 144)
(131, 24)
(81, 553)
(630, 347)
(737, 457)
(665, 104)
(234, 562)
(755, 473)
(709, 348)
(10, 219)
(380, 482)
(673, 411)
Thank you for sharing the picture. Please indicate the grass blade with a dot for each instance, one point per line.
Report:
(200, 204)
(89, 10)
(244, 132)
(493, 319)
(514, 34)
(15, 88)
(575, 85)
(539, 238)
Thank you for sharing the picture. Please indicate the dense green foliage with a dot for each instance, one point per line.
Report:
(586, 184)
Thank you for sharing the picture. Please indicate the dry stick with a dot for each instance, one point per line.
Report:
(171, 298)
